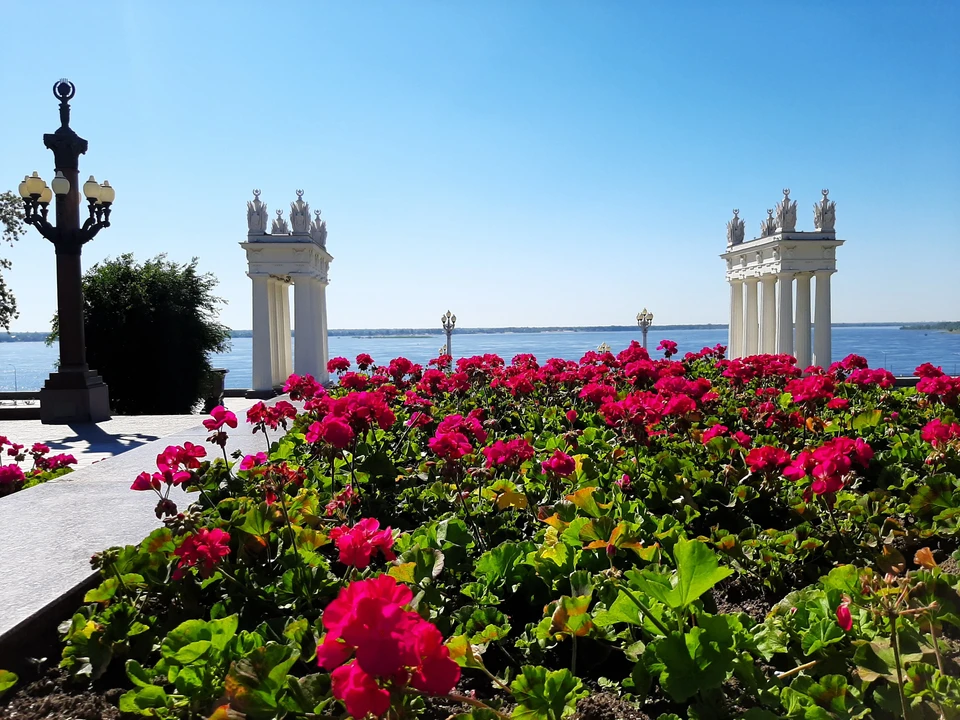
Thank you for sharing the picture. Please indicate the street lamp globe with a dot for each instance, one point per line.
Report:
(107, 193)
(35, 184)
(60, 185)
(23, 188)
(46, 195)
(91, 189)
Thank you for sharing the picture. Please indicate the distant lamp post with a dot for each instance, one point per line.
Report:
(74, 393)
(644, 321)
(449, 322)
(603, 348)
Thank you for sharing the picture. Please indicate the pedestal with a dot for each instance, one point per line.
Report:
(74, 397)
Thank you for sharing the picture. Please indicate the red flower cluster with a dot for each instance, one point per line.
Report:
(203, 550)
(249, 462)
(559, 464)
(271, 416)
(358, 410)
(302, 387)
(219, 417)
(669, 348)
(935, 383)
(939, 433)
(392, 647)
(338, 365)
(342, 501)
(452, 438)
(358, 544)
(830, 463)
(767, 460)
(811, 388)
(508, 453)
(333, 430)
(11, 478)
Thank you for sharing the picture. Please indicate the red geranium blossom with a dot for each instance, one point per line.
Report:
(560, 464)
(333, 430)
(510, 453)
(219, 417)
(938, 433)
(359, 543)
(767, 459)
(203, 550)
(844, 618)
(338, 365)
(450, 446)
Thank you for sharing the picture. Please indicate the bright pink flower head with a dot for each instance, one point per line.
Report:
(39, 449)
(302, 388)
(203, 550)
(669, 348)
(333, 430)
(838, 404)
(939, 434)
(800, 467)
(509, 453)
(364, 362)
(359, 543)
(571, 416)
(146, 481)
(767, 459)
(559, 464)
(251, 461)
(450, 446)
(469, 426)
(844, 618)
(219, 417)
(10, 475)
(714, 431)
(338, 365)
(623, 483)
(811, 388)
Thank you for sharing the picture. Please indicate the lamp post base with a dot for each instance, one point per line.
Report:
(74, 397)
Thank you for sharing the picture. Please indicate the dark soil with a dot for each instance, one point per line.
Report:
(607, 706)
(741, 593)
(51, 697)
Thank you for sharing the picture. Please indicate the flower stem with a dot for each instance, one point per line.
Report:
(797, 669)
(892, 616)
(646, 611)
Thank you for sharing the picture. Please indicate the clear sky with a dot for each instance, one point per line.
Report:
(520, 163)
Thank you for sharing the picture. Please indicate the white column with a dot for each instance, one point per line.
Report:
(768, 325)
(262, 334)
(286, 351)
(275, 318)
(785, 313)
(802, 339)
(323, 347)
(305, 362)
(751, 334)
(735, 345)
(822, 331)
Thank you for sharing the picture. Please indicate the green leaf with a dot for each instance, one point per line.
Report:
(144, 701)
(256, 521)
(623, 610)
(138, 676)
(821, 634)
(869, 418)
(191, 652)
(543, 695)
(253, 682)
(7, 681)
(104, 592)
(463, 653)
(698, 570)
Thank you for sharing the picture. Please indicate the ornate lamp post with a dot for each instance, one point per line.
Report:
(448, 321)
(74, 393)
(644, 321)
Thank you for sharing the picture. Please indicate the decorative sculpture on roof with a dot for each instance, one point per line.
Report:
(279, 226)
(735, 230)
(769, 226)
(786, 213)
(318, 230)
(300, 215)
(256, 215)
(825, 213)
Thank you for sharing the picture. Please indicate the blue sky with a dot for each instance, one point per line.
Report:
(522, 163)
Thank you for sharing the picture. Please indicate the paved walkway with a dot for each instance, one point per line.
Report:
(48, 532)
(90, 443)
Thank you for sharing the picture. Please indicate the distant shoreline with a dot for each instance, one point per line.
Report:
(420, 333)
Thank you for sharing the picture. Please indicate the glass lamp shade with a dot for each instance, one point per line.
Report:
(60, 185)
(46, 195)
(453, 318)
(107, 193)
(91, 189)
(23, 189)
(35, 184)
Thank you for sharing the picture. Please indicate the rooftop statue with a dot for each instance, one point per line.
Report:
(825, 213)
(735, 230)
(318, 230)
(769, 226)
(300, 215)
(256, 215)
(279, 226)
(786, 213)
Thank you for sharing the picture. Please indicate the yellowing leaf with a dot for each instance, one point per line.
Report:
(512, 499)
(404, 572)
(924, 558)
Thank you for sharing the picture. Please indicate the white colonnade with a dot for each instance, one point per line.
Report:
(276, 260)
(765, 316)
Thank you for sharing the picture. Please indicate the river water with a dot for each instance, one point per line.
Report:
(25, 365)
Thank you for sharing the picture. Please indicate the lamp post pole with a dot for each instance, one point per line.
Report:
(74, 393)
(644, 321)
(448, 321)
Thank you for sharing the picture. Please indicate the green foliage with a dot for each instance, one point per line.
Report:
(12, 228)
(151, 325)
(7, 681)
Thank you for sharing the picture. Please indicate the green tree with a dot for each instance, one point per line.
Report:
(11, 228)
(150, 329)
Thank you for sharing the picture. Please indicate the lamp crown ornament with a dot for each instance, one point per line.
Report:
(825, 213)
(279, 226)
(256, 215)
(318, 230)
(735, 229)
(300, 215)
(786, 213)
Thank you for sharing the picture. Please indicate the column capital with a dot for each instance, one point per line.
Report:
(825, 271)
(735, 281)
(786, 274)
(752, 279)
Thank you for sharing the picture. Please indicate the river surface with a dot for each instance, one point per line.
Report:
(25, 365)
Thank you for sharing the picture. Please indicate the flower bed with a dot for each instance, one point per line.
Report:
(698, 538)
(45, 466)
